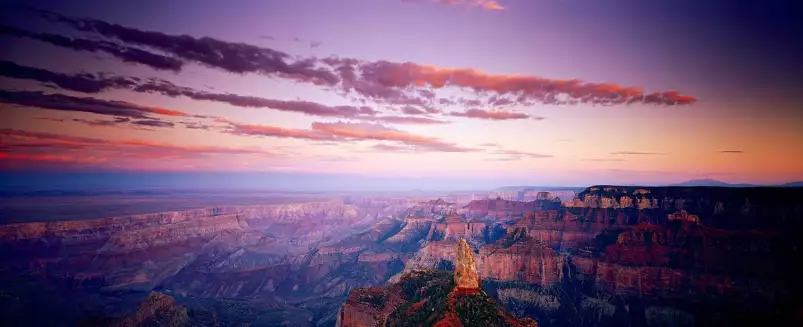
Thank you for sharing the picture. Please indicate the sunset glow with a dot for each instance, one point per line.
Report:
(544, 92)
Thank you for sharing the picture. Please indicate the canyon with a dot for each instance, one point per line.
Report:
(644, 256)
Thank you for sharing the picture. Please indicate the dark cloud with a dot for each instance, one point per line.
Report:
(229, 56)
(427, 94)
(60, 120)
(89, 83)
(497, 101)
(380, 81)
(82, 82)
(304, 107)
(154, 123)
(124, 53)
(446, 102)
(732, 151)
(410, 110)
(470, 102)
(315, 44)
(84, 104)
(196, 125)
(100, 122)
(492, 115)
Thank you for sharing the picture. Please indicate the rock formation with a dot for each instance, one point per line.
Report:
(424, 298)
(465, 270)
(496, 208)
(155, 307)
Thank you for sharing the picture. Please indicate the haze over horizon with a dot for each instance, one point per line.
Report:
(399, 95)
(289, 182)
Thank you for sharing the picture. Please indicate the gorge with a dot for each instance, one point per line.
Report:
(689, 256)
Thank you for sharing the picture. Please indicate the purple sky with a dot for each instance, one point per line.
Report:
(507, 110)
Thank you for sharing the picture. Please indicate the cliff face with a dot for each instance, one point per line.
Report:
(435, 255)
(141, 250)
(519, 257)
(497, 208)
(722, 207)
(684, 261)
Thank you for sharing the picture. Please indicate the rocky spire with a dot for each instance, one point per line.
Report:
(465, 271)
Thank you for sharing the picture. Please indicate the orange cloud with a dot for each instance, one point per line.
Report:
(342, 132)
(376, 132)
(52, 158)
(483, 4)
(370, 131)
(18, 144)
(166, 112)
(526, 89)
(488, 5)
(265, 130)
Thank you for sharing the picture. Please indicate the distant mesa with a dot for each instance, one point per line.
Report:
(710, 183)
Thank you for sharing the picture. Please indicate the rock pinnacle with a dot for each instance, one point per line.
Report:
(465, 271)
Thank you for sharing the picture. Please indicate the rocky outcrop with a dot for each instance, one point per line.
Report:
(425, 298)
(465, 270)
(156, 305)
(497, 208)
(413, 230)
(368, 307)
(435, 255)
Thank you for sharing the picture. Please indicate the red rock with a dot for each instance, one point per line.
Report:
(524, 259)
(465, 271)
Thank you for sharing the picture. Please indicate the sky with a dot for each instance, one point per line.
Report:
(409, 93)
